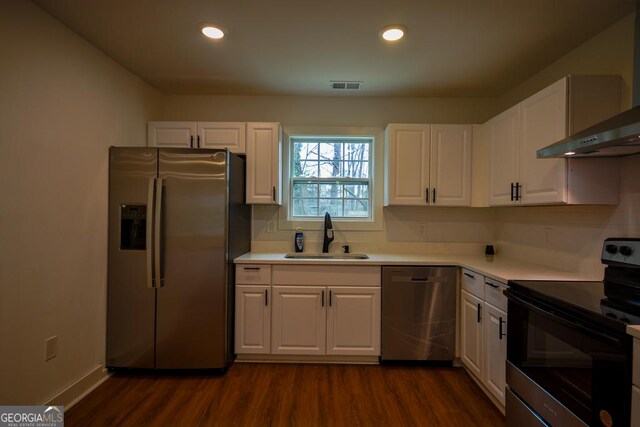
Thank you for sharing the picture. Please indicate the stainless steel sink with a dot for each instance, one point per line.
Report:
(319, 255)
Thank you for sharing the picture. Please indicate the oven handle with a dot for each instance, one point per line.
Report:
(571, 323)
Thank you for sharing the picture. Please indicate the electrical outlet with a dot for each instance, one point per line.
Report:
(548, 234)
(51, 345)
(270, 226)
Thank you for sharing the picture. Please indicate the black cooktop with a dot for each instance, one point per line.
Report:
(585, 300)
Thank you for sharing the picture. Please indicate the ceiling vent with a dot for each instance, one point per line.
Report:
(345, 85)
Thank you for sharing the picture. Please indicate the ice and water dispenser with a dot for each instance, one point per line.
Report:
(133, 227)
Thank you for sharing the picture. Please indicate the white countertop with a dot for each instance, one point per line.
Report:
(634, 330)
(496, 267)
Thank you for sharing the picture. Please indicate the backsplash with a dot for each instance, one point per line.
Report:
(570, 237)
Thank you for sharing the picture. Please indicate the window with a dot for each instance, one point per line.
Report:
(330, 174)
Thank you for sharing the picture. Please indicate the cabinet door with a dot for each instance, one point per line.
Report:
(543, 121)
(471, 331)
(407, 167)
(353, 321)
(264, 178)
(171, 134)
(298, 320)
(503, 141)
(222, 135)
(253, 319)
(495, 350)
(450, 169)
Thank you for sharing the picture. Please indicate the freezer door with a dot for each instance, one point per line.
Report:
(130, 295)
(191, 328)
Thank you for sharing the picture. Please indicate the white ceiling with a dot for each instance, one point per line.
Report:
(295, 47)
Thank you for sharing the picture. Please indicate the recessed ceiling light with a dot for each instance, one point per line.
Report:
(393, 33)
(213, 32)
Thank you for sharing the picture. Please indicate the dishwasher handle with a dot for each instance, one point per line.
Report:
(412, 279)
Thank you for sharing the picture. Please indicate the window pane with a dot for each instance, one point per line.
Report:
(356, 151)
(330, 169)
(355, 170)
(330, 151)
(305, 190)
(356, 191)
(356, 208)
(305, 150)
(331, 190)
(333, 206)
(305, 207)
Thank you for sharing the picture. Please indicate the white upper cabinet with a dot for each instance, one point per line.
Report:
(264, 176)
(503, 132)
(427, 165)
(231, 135)
(407, 148)
(171, 134)
(567, 106)
(450, 174)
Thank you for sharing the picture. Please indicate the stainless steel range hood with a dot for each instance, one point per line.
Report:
(616, 136)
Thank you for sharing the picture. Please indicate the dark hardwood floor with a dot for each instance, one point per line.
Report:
(291, 395)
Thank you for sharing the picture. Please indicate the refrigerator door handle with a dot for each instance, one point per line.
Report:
(157, 250)
(149, 232)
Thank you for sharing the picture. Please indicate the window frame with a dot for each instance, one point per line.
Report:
(340, 139)
(375, 223)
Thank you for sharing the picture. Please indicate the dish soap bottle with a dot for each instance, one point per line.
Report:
(298, 241)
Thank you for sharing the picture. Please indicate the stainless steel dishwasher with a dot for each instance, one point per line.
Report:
(418, 313)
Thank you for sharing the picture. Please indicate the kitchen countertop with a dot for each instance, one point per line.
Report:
(499, 268)
(634, 330)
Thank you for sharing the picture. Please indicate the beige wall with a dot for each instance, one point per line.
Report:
(63, 103)
(570, 237)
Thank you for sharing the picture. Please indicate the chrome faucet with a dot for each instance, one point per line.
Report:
(328, 233)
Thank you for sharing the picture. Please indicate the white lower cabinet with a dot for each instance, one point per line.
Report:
(495, 350)
(306, 310)
(353, 321)
(299, 320)
(483, 329)
(471, 331)
(253, 319)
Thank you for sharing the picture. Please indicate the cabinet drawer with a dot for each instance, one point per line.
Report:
(321, 275)
(635, 406)
(250, 274)
(473, 283)
(493, 293)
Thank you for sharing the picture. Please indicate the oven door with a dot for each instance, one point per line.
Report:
(568, 370)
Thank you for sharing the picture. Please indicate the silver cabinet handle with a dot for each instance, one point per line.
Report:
(157, 238)
(149, 232)
(492, 285)
(470, 275)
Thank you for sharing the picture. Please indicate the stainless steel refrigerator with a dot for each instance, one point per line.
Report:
(177, 218)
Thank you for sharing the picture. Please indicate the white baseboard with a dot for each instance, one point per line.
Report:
(80, 388)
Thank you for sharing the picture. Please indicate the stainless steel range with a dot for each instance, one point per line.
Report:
(569, 358)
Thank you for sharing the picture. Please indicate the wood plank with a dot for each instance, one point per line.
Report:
(291, 395)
